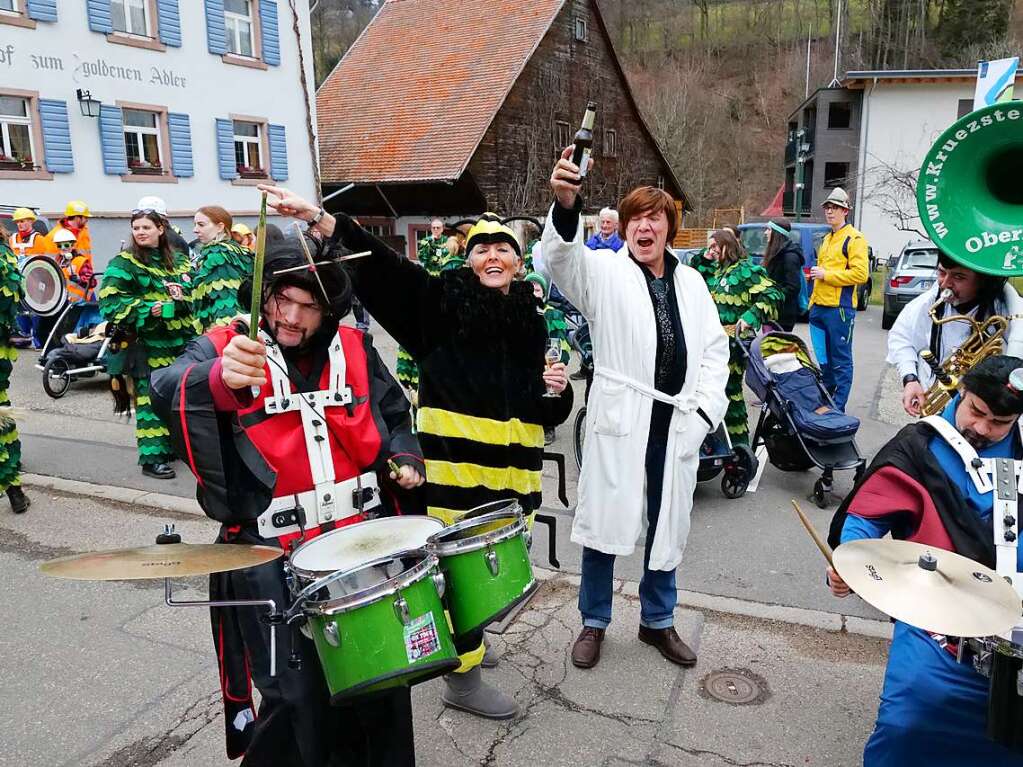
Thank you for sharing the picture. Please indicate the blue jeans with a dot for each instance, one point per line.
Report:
(657, 592)
(831, 331)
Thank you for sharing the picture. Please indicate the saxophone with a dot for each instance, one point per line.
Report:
(986, 339)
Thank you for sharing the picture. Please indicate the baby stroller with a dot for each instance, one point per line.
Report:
(738, 462)
(799, 423)
(68, 355)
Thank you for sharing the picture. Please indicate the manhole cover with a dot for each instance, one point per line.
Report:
(739, 687)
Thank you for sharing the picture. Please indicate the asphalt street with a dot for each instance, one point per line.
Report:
(104, 675)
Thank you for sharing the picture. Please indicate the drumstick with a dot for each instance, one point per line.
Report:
(257, 272)
(825, 549)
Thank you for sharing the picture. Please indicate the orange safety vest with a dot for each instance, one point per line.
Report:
(35, 245)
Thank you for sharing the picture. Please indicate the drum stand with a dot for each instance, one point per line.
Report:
(273, 617)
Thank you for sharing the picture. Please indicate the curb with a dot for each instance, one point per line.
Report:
(799, 616)
(125, 495)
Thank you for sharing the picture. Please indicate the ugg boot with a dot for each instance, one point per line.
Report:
(468, 693)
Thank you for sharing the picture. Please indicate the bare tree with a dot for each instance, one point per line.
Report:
(891, 188)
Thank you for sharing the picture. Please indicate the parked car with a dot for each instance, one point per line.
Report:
(913, 274)
(685, 255)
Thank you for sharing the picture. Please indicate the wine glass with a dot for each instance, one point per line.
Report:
(550, 358)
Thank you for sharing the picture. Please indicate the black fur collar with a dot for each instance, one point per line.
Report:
(480, 313)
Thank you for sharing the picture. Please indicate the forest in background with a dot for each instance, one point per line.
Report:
(716, 79)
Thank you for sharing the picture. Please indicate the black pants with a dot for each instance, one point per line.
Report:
(296, 725)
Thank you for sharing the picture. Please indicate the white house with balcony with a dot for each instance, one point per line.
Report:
(195, 101)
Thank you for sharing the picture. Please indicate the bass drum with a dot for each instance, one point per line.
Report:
(44, 285)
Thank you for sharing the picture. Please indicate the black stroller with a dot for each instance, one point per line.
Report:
(69, 355)
(738, 463)
(799, 423)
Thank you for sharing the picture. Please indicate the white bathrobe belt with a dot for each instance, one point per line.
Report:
(686, 404)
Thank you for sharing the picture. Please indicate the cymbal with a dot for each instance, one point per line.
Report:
(930, 588)
(165, 560)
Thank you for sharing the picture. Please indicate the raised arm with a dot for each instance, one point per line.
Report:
(397, 292)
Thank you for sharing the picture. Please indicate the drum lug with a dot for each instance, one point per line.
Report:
(440, 582)
(401, 609)
(331, 635)
(492, 564)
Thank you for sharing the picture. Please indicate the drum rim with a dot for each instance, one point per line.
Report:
(477, 542)
(370, 594)
(311, 575)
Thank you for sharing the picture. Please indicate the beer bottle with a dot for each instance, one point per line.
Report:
(584, 140)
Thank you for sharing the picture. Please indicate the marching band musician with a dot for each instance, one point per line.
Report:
(919, 488)
(975, 295)
(259, 476)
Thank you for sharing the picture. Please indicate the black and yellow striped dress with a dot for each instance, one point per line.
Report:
(482, 412)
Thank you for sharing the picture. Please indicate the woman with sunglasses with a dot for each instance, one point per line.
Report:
(223, 265)
(145, 293)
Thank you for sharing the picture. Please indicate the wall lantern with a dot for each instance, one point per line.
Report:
(88, 105)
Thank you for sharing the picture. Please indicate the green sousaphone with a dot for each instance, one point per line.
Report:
(970, 193)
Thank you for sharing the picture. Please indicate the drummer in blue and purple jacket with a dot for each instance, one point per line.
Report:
(933, 708)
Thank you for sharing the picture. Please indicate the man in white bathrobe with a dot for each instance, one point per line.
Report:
(661, 362)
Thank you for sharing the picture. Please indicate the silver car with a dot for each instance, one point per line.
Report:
(913, 273)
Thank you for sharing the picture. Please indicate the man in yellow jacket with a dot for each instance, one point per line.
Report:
(841, 266)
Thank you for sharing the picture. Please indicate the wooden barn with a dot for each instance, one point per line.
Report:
(450, 109)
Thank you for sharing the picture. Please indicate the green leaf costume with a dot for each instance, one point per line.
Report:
(223, 266)
(740, 291)
(130, 289)
(558, 328)
(10, 299)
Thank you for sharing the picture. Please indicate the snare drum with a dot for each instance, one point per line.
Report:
(485, 561)
(353, 545)
(380, 624)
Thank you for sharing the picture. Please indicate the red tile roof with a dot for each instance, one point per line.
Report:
(414, 95)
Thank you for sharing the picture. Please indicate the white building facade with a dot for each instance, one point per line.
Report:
(198, 101)
(902, 115)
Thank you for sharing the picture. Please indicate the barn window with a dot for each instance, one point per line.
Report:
(562, 135)
(610, 143)
(580, 29)
(660, 182)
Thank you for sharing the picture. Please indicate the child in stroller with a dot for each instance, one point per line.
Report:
(68, 355)
(799, 423)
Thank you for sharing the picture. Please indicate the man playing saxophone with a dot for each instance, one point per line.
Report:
(970, 294)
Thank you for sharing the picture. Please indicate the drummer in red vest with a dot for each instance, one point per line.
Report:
(300, 432)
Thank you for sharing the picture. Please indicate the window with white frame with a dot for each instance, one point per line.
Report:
(142, 141)
(10, 6)
(129, 17)
(610, 143)
(562, 135)
(580, 29)
(238, 22)
(248, 148)
(15, 133)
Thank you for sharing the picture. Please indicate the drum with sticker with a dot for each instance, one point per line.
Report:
(379, 624)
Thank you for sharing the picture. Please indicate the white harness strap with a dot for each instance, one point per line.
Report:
(1002, 476)
(312, 407)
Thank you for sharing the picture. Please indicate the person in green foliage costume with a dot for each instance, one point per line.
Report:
(746, 298)
(555, 318)
(10, 445)
(223, 265)
(145, 293)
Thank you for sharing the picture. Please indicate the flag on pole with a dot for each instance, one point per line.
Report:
(994, 82)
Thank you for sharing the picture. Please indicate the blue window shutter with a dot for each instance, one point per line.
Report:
(56, 136)
(180, 131)
(168, 21)
(278, 153)
(271, 36)
(216, 32)
(42, 10)
(99, 16)
(225, 149)
(111, 139)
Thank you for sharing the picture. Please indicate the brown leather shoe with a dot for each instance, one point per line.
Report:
(586, 650)
(669, 644)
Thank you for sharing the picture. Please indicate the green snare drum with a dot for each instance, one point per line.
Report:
(485, 561)
(379, 625)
